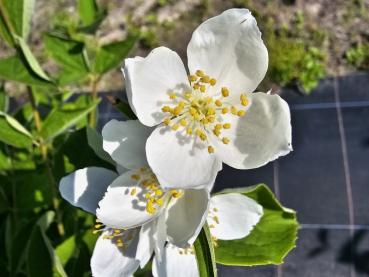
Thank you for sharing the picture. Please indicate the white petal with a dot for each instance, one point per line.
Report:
(187, 216)
(261, 136)
(85, 187)
(160, 235)
(178, 162)
(176, 263)
(145, 245)
(125, 142)
(150, 79)
(233, 216)
(121, 208)
(110, 261)
(229, 48)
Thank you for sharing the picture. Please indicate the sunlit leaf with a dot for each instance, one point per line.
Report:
(271, 239)
(4, 100)
(88, 11)
(69, 55)
(15, 69)
(19, 13)
(31, 60)
(65, 249)
(111, 56)
(16, 136)
(61, 119)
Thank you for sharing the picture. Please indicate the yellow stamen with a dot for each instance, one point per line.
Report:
(200, 73)
(225, 110)
(218, 103)
(210, 149)
(225, 92)
(212, 82)
(225, 140)
(226, 125)
(241, 113)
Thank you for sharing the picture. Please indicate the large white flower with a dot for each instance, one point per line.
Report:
(231, 216)
(136, 216)
(210, 116)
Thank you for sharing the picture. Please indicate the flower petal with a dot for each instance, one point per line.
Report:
(186, 216)
(108, 260)
(145, 246)
(150, 79)
(229, 48)
(124, 204)
(85, 187)
(179, 162)
(261, 136)
(233, 216)
(176, 262)
(125, 142)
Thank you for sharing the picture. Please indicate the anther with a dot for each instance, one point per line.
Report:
(225, 92)
(226, 125)
(218, 103)
(200, 73)
(241, 113)
(210, 149)
(225, 140)
(212, 82)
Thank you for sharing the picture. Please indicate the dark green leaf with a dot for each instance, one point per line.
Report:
(14, 68)
(61, 119)
(39, 258)
(69, 55)
(271, 239)
(4, 100)
(205, 254)
(88, 11)
(111, 56)
(4, 204)
(13, 136)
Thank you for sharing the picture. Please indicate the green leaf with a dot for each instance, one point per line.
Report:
(61, 119)
(69, 55)
(4, 205)
(39, 257)
(88, 11)
(15, 69)
(270, 241)
(66, 249)
(110, 56)
(205, 254)
(13, 133)
(4, 100)
(19, 13)
(95, 141)
(4, 32)
(31, 60)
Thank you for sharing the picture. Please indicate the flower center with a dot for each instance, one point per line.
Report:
(119, 237)
(153, 195)
(200, 113)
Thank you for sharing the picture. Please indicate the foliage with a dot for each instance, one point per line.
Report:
(358, 56)
(45, 138)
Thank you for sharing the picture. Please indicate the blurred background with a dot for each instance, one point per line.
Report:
(71, 81)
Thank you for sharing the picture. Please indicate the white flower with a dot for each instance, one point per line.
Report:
(210, 116)
(232, 216)
(125, 203)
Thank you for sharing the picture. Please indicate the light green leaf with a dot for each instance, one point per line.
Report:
(31, 60)
(205, 254)
(95, 141)
(69, 55)
(66, 249)
(110, 56)
(61, 119)
(12, 135)
(88, 11)
(20, 13)
(271, 239)
(13, 68)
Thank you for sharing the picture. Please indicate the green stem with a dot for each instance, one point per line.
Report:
(45, 159)
(94, 91)
(205, 256)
